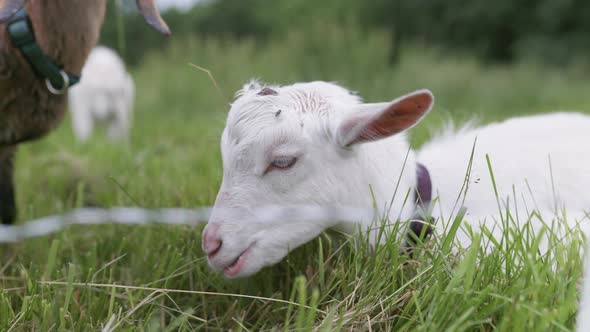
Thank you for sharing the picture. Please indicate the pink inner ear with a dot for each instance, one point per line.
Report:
(399, 116)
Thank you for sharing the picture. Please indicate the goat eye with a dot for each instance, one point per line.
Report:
(284, 162)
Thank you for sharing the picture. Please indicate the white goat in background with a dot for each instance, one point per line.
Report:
(317, 144)
(104, 95)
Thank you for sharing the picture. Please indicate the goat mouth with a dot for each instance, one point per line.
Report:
(214, 252)
(236, 266)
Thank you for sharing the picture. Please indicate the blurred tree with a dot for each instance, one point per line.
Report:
(499, 31)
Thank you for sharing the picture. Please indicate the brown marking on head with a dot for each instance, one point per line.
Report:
(267, 92)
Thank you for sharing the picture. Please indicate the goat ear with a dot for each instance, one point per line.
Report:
(9, 7)
(150, 13)
(371, 122)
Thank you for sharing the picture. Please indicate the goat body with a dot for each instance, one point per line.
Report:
(325, 147)
(538, 162)
(105, 94)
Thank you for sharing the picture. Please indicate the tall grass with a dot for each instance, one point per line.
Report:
(156, 278)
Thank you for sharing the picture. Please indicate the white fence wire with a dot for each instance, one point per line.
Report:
(171, 216)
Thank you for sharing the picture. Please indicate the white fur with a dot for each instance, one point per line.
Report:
(105, 94)
(330, 174)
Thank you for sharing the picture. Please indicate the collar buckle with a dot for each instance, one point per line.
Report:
(63, 89)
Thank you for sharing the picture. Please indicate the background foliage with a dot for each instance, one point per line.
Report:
(554, 31)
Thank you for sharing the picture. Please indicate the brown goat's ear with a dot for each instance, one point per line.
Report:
(371, 122)
(150, 13)
(9, 7)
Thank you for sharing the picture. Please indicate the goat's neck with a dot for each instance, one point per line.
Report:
(388, 176)
(67, 30)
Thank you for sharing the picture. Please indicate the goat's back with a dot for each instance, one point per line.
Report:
(104, 69)
(539, 162)
(105, 87)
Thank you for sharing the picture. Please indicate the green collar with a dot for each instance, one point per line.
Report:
(22, 35)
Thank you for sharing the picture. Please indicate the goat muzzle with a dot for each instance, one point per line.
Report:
(150, 13)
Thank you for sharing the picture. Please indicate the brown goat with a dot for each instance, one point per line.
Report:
(66, 31)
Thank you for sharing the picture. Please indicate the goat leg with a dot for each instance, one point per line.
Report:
(7, 203)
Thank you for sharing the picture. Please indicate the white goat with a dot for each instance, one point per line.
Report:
(105, 94)
(318, 144)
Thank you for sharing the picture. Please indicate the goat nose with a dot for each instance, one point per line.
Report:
(211, 241)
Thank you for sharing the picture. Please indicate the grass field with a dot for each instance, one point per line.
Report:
(156, 278)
